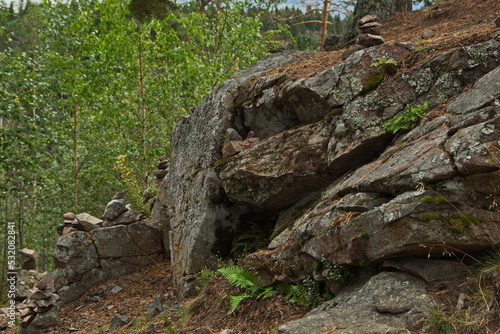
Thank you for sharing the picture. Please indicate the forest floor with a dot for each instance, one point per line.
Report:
(206, 313)
(453, 24)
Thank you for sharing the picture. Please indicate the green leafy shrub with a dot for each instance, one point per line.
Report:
(405, 121)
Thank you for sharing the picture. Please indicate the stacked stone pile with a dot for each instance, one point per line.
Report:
(162, 169)
(28, 258)
(89, 250)
(36, 303)
(41, 309)
(369, 35)
(115, 213)
(369, 31)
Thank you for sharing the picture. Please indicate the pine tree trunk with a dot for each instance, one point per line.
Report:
(324, 24)
(402, 6)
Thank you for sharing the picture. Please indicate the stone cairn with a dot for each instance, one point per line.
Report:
(28, 259)
(369, 31)
(162, 169)
(369, 35)
(38, 303)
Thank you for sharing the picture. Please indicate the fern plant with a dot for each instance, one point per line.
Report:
(407, 120)
(296, 294)
(245, 279)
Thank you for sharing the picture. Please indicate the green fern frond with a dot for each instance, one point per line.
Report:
(234, 301)
(296, 294)
(267, 293)
(240, 277)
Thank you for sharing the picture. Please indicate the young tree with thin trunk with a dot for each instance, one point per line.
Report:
(325, 7)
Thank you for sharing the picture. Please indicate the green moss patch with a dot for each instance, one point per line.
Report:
(433, 199)
(455, 223)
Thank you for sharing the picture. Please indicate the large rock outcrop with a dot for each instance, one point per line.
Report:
(338, 189)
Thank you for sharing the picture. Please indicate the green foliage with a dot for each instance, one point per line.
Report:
(439, 322)
(306, 294)
(245, 279)
(405, 121)
(297, 294)
(383, 61)
(204, 278)
(489, 271)
(335, 271)
(89, 98)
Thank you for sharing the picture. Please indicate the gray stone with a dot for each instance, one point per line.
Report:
(69, 216)
(114, 208)
(367, 19)
(279, 169)
(475, 148)
(74, 290)
(392, 302)
(114, 290)
(429, 269)
(197, 144)
(115, 267)
(125, 218)
(89, 222)
(394, 172)
(46, 319)
(41, 294)
(47, 302)
(77, 252)
(138, 239)
(322, 133)
(372, 28)
(156, 303)
(118, 320)
(369, 40)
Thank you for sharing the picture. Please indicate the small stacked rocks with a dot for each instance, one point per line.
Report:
(162, 169)
(42, 309)
(370, 31)
(28, 258)
(79, 222)
(71, 224)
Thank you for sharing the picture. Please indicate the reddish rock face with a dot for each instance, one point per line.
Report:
(374, 195)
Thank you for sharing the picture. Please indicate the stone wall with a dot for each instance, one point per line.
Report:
(84, 258)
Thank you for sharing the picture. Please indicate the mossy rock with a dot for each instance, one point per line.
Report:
(433, 199)
(375, 80)
(237, 184)
(455, 223)
(460, 223)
